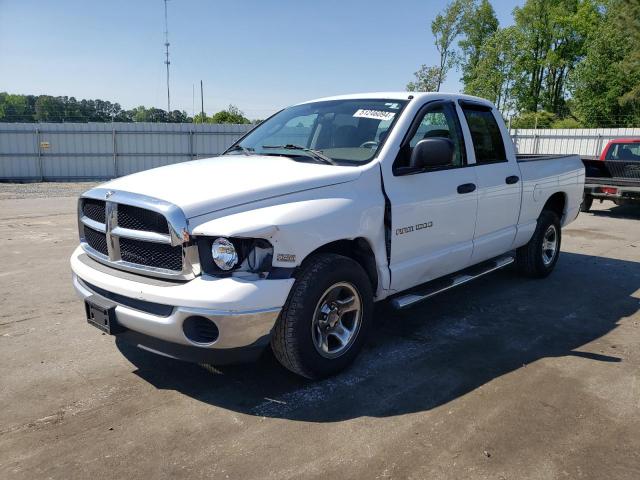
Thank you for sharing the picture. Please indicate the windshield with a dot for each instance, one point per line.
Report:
(341, 131)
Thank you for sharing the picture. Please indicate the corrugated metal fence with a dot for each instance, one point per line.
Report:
(83, 151)
(581, 141)
(87, 151)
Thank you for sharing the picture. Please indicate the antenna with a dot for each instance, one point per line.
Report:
(166, 52)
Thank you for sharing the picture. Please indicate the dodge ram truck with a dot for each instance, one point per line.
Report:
(289, 237)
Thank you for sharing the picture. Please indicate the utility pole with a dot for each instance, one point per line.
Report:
(202, 101)
(166, 52)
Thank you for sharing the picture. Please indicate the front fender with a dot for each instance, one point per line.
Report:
(298, 226)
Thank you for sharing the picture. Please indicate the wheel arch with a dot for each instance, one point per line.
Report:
(358, 249)
(556, 203)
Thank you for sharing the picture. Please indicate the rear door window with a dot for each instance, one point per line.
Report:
(486, 136)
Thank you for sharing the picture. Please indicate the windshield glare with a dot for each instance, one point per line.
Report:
(346, 131)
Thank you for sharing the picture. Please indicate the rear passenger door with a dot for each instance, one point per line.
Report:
(498, 181)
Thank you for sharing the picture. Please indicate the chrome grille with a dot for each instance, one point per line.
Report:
(94, 209)
(136, 233)
(96, 240)
(158, 255)
(136, 218)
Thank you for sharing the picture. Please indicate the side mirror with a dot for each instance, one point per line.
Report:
(432, 152)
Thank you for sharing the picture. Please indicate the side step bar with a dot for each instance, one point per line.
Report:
(438, 286)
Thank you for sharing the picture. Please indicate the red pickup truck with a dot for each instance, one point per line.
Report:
(615, 175)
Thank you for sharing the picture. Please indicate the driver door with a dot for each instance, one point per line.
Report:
(433, 213)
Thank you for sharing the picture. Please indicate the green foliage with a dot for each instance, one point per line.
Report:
(540, 119)
(567, 123)
(230, 115)
(628, 17)
(200, 118)
(494, 75)
(606, 85)
(45, 108)
(478, 24)
(577, 60)
(445, 28)
(426, 79)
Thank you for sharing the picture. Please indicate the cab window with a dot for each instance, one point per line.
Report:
(437, 121)
(486, 136)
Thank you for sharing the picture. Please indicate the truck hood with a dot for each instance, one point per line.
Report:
(208, 185)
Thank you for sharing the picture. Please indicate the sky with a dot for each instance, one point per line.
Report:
(258, 55)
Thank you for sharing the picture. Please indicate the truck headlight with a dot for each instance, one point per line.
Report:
(224, 254)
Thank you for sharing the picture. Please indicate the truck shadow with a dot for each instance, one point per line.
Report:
(631, 212)
(432, 354)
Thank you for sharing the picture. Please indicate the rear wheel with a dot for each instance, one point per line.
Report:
(325, 320)
(538, 258)
(587, 202)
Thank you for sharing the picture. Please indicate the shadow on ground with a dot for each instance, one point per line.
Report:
(630, 212)
(432, 354)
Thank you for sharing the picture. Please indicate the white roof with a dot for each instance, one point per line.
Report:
(401, 96)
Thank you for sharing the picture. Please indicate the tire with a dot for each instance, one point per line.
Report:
(532, 260)
(587, 201)
(311, 310)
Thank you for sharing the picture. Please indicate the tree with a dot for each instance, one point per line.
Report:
(494, 75)
(553, 36)
(539, 119)
(16, 108)
(603, 83)
(477, 25)
(628, 18)
(426, 79)
(231, 115)
(49, 109)
(445, 28)
(178, 116)
(200, 118)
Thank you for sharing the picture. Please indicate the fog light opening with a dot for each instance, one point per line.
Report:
(200, 330)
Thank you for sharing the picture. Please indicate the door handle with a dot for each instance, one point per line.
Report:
(466, 188)
(512, 179)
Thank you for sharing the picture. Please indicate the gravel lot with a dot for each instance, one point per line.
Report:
(504, 378)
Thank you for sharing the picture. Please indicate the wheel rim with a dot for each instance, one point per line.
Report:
(336, 320)
(549, 245)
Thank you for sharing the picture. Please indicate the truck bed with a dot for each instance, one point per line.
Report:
(612, 172)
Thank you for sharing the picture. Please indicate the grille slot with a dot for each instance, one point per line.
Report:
(94, 209)
(157, 255)
(96, 240)
(135, 218)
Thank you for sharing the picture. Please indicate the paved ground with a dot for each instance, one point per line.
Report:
(503, 378)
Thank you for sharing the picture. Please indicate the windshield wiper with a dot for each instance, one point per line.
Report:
(245, 150)
(314, 153)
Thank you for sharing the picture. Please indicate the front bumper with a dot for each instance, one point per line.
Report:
(153, 311)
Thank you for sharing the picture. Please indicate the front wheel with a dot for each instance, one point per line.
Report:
(325, 320)
(538, 257)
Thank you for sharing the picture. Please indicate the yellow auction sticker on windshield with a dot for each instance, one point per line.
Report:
(374, 114)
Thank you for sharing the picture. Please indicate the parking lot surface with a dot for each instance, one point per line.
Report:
(504, 377)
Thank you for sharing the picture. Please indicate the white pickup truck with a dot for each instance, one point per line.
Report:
(291, 235)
